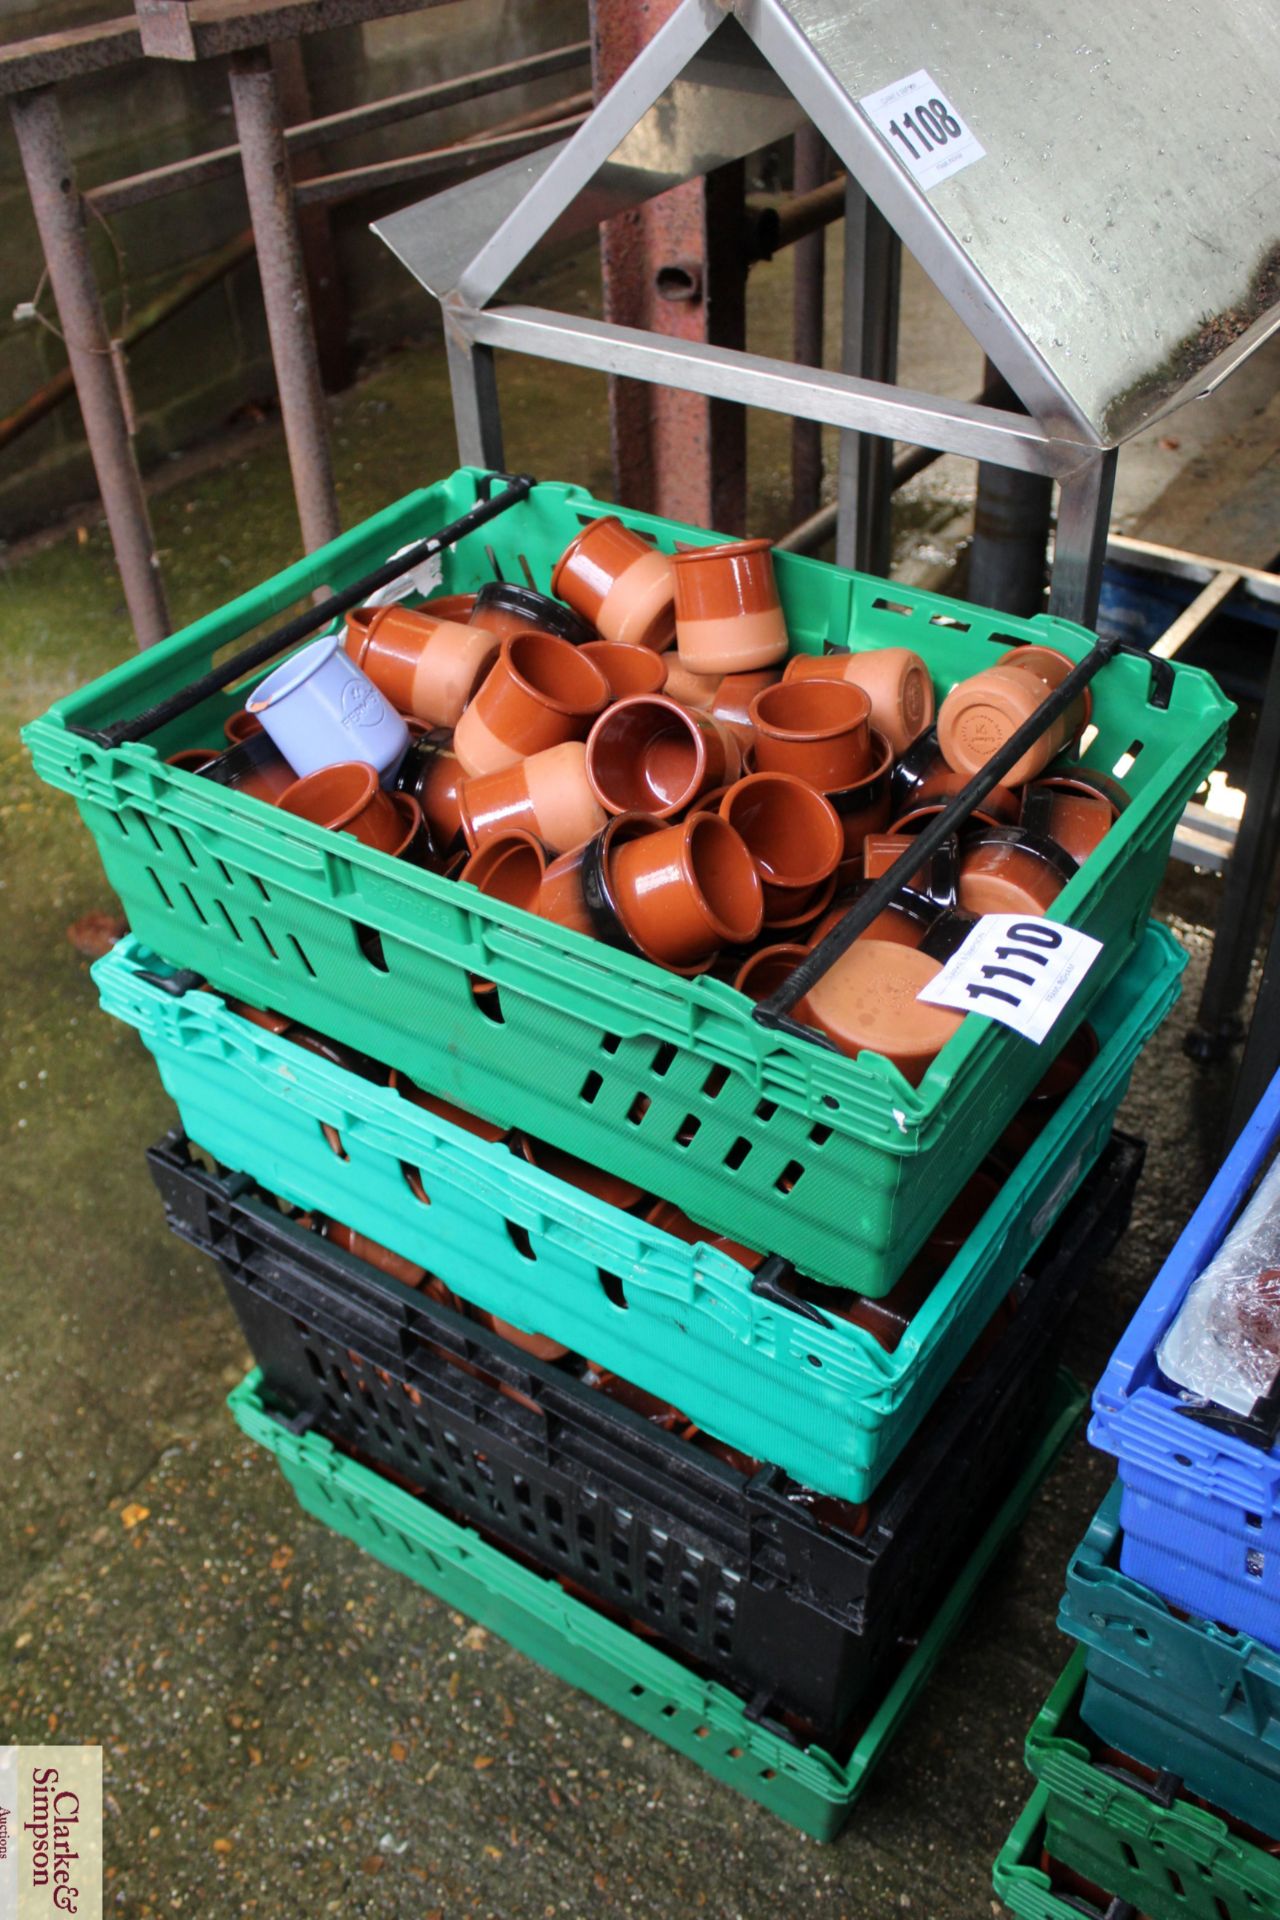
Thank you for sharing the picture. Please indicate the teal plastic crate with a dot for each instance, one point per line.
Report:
(834, 1163)
(1033, 1890)
(699, 1718)
(820, 1398)
(1170, 1690)
(1161, 1852)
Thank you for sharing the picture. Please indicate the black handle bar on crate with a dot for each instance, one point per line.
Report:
(775, 1012)
(488, 507)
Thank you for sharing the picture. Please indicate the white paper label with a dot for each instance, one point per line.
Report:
(1017, 969)
(919, 124)
(420, 580)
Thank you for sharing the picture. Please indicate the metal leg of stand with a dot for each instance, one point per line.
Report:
(1244, 892)
(1080, 543)
(477, 419)
(872, 278)
(1262, 1048)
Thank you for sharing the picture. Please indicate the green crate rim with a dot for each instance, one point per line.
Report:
(808, 1788)
(1018, 1878)
(1081, 1795)
(836, 1421)
(798, 1073)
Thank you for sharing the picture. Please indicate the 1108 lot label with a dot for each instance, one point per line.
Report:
(922, 128)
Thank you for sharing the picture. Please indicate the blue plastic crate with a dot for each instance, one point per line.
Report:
(1201, 1506)
(1176, 1694)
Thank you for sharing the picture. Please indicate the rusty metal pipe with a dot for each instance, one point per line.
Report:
(775, 224)
(260, 130)
(60, 220)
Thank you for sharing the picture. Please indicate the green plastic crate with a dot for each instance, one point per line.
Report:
(1029, 1890)
(1170, 1860)
(824, 1401)
(836, 1164)
(699, 1718)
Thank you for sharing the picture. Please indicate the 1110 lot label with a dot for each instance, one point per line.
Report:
(1018, 969)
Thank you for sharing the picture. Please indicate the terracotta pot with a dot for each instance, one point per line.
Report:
(791, 911)
(241, 725)
(348, 799)
(792, 834)
(430, 773)
(650, 755)
(548, 795)
(894, 679)
(620, 583)
(695, 690)
(687, 890)
(1075, 1057)
(864, 807)
(866, 1003)
(819, 730)
(767, 970)
(192, 759)
(948, 933)
(933, 886)
(507, 609)
(905, 923)
(671, 1220)
(628, 670)
(1010, 870)
(260, 1017)
(575, 889)
(728, 614)
(980, 713)
(539, 693)
(426, 666)
(444, 1110)
(1078, 818)
(509, 866)
(538, 1345)
(255, 766)
(375, 1254)
(731, 705)
(609, 1187)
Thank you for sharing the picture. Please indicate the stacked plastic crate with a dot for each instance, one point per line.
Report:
(742, 1497)
(1158, 1754)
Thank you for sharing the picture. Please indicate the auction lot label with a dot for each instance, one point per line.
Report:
(50, 1832)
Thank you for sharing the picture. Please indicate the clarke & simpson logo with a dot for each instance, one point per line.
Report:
(50, 1832)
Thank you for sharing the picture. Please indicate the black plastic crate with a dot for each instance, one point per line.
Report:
(743, 1573)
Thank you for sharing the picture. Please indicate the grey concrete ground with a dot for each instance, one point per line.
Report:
(289, 1730)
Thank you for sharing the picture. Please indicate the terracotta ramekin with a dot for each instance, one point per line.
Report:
(867, 1003)
(348, 799)
(548, 794)
(575, 889)
(506, 609)
(539, 693)
(629, 670)
(688, 890)
(728, 615)
(1011, 870)
(620, 584)
(509, 866)
(651, 755)
(894, 679)
(431, 774)
(819, 730)
(980, 713)
(792, 833)
(426, 666)
(1065, 810)
(374, 1253)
